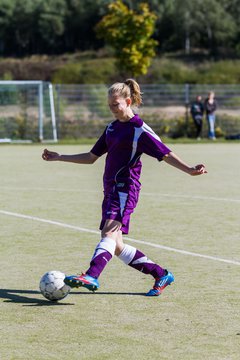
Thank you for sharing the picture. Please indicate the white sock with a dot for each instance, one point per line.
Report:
(106, 244)
(127, 254)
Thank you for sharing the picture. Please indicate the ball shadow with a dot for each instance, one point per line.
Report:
(20, 296)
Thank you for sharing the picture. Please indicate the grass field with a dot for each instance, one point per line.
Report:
(188, 224)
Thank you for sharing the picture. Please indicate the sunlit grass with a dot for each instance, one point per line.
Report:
(195, 318)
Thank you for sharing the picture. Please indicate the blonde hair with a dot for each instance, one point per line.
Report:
(211, 93)
(128, 89)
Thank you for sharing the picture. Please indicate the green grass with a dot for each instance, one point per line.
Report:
(196, 318)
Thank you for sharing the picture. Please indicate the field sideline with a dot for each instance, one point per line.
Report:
(49, 214)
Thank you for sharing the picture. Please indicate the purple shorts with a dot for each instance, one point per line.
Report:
(119, 205)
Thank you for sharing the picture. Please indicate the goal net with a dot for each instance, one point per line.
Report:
(27, 112)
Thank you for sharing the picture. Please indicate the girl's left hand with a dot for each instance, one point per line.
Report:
(198, 170)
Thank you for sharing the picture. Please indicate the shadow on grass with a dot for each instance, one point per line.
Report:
(19, 296)
(108, 293)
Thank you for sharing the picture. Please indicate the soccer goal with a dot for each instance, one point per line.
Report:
(27, 112)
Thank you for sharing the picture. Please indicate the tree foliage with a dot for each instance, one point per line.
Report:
(203, 22)
(58, 26)
(129, 32)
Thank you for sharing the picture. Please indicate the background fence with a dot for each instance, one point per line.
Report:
(82, 110)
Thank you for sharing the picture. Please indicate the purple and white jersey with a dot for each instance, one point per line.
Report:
(124, 143)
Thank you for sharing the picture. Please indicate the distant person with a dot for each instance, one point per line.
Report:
(197, 111)
(210, 106)
(124, 140)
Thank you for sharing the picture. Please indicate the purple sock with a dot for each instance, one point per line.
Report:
(141, 263)
(98, 263)
(103, 253)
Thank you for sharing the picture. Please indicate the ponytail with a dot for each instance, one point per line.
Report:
(136, 95)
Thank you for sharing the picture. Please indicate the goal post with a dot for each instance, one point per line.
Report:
(52, 107)
(27, 111)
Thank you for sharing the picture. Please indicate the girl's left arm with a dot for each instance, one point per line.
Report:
(174, 160)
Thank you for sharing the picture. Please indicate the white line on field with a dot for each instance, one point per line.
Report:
(194, 197)
(167, 248)
(175, 196)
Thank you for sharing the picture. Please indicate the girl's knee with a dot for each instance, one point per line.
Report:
(108, 233)
(111, 229)
(119, 248)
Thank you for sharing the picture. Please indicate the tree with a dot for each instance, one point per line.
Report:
(232, 7)
(6, 11)
(51, 21)
(32, 26)
(129, 32)
(81, 19)
(205, 22)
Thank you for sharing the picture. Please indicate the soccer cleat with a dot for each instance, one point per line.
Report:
(160, 284)
(84, 280)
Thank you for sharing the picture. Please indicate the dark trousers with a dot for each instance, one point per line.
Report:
(198, 124)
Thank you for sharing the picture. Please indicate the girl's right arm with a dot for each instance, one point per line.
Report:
(84, 158)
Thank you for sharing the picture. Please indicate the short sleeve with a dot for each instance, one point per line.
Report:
(100, 147)
(152, 146)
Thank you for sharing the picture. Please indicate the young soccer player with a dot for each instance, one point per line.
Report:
(124, 140)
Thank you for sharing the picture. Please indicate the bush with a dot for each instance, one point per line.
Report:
(32, 68)
(78, 129)
(24, 127)
(97, 71)
(220, 72)
(99, 68)
(19, 127)
(167, 71)
(98, 103)
(226, 125)
(67, 74)
(173, 128)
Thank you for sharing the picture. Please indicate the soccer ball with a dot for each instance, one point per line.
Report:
(53, 287)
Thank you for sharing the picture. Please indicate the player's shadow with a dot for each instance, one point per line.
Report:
(20, 296)
(108, 293)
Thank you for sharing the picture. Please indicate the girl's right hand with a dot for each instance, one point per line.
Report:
(50, 155)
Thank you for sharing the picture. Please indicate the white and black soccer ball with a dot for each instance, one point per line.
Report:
(53, 287)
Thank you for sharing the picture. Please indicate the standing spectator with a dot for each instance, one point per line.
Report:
(210, 106)
(197, 111)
